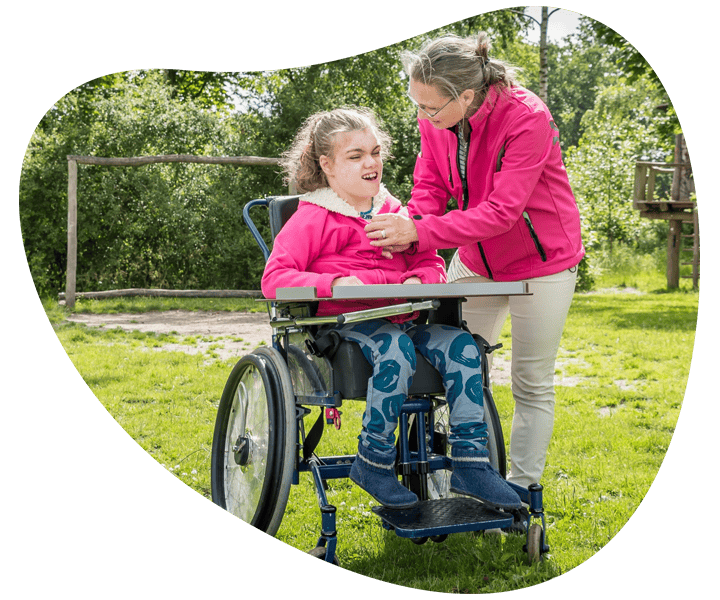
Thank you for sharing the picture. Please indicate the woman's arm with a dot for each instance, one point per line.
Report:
(528, 148)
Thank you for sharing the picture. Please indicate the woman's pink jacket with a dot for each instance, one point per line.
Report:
(518, 218)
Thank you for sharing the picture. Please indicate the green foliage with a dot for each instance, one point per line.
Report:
(577, 70)
(625, 54)
(623, 126)
(179, 225)
(205, 88)
(161, 225)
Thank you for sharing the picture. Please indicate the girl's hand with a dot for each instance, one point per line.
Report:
(412, 280)
(388, 251)
(352, 280)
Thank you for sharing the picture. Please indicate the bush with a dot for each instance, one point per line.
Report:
(162, 225)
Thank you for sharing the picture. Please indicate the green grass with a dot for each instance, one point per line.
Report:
(627, 355)
(622, 267)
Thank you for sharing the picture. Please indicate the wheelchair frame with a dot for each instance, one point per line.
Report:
(260, 446)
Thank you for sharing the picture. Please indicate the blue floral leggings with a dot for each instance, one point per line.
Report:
(390, 349)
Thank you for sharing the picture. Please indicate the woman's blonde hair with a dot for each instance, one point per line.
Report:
(316, 137)
(452, 64)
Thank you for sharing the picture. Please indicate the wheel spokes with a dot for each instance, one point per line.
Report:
(247, 446)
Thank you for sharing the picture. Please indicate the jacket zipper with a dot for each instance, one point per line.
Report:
(463, 180)
(534, 236)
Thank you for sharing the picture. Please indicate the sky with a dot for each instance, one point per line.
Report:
(560, 23)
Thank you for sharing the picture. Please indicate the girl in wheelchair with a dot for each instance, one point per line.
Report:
(336, 160)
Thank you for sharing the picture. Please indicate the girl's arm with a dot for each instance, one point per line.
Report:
(297, 245)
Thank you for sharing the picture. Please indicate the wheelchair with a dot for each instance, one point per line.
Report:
(260, 446)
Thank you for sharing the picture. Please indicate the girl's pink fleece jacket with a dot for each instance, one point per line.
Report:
(518, 218)
(326, 239)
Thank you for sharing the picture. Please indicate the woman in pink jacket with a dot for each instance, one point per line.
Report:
(494, 147)
(337, 160)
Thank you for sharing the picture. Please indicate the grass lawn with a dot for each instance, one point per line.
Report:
(623, 365)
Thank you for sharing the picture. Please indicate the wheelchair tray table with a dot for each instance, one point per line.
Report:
(409, 292)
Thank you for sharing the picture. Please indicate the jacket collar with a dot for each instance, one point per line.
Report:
(486, 107)
(329, 200)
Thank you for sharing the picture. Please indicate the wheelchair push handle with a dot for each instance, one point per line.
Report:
(251, 225)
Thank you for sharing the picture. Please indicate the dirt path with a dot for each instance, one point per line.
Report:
(228, 334)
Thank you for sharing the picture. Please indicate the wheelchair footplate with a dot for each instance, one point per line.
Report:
(431, 518)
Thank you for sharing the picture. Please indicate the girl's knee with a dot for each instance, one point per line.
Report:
(464, 351)
(394, 345)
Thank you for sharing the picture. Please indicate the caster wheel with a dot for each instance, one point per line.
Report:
(439, 539)
(419, 541)
(320, 551)
(534, 543)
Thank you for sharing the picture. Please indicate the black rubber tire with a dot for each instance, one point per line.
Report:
(253, 409)
(534, 543)
(320, 552)
(288, 433)
(496, 440)
(419, 541)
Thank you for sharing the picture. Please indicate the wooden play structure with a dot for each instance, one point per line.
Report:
(680, 209)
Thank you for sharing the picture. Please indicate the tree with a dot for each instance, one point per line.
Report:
(545, 15)
(206, 88)
(154, 226)
(578, 69)
(623, 126)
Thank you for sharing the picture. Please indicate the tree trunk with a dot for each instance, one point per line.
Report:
(543, 56)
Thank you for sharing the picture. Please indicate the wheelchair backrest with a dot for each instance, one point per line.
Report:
(280, 209)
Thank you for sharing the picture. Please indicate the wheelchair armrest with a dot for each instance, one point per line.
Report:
(359, 315)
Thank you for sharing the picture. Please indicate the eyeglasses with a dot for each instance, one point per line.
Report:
(429, 114)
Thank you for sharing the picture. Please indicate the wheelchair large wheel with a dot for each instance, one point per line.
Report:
(254, 443)
(439, 481)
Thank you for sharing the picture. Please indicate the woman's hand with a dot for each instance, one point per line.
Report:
(352, 280)
(391, 230)
(412, 280)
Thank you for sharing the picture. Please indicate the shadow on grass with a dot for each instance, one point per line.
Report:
(661, 312)
(466, 563)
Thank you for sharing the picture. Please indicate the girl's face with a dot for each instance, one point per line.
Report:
(355, 170)
(441, 111)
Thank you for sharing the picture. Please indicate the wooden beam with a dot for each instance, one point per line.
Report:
(174, 158)
(152, 292)
(71, 263)
(673, 254)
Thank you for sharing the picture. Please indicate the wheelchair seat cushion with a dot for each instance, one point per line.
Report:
(352, 371)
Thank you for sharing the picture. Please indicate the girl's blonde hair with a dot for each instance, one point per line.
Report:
(452, 64)
(316, 137)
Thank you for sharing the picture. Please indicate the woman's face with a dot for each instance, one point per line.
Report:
(441, 111)
(355, 170)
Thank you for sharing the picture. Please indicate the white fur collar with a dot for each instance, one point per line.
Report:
(329, 200)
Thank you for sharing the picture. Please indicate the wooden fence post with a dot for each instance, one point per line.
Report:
(673, 254)
(71, 235)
